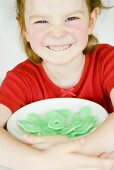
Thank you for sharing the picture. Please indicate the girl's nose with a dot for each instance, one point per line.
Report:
(58, 32)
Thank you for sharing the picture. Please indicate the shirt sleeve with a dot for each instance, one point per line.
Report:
(107, 68)
(14, 91)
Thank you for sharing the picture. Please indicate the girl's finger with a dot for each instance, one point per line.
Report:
(93, 162)
(104, 155)
(33, 139)
(42, 139)
(71, 145)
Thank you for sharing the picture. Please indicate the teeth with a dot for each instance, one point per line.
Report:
(59, 48)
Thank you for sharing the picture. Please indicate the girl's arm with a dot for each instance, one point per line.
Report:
(112, 96)
(102, 139)
(18, 156)
(14, 154)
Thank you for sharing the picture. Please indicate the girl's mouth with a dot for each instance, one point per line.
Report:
(59, 47)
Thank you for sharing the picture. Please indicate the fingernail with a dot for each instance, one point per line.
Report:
(82, 141)
(26, 136)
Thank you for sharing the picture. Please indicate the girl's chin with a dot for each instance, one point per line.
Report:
(58, 61)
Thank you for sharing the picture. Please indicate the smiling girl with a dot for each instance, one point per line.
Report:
(64, 60)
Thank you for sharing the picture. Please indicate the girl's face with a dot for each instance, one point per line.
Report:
(58, 29)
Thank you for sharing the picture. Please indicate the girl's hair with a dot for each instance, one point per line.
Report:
(20, 8)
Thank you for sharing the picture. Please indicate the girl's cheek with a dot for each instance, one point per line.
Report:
(78, 31)
(38, 34)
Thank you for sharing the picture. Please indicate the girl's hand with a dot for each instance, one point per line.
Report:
(81, 145)
(62, 157)
(44, 142)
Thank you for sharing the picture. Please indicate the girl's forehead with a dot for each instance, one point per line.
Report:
(43, 6)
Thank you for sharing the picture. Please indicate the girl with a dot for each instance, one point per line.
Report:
(64, 60)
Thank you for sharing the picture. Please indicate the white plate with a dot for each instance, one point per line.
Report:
(43, 106)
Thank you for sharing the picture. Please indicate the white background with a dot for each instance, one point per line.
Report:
(11, 52)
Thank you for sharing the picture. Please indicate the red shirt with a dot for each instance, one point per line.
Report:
(28, 82)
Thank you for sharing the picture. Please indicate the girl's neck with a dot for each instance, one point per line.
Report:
(66, 75)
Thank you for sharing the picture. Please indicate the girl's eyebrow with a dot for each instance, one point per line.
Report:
(34, 16)
(77, 12)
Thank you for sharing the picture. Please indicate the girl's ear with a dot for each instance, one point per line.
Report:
(93, 19)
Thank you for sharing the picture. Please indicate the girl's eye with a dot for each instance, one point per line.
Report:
(71, 19)
(41, 22)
